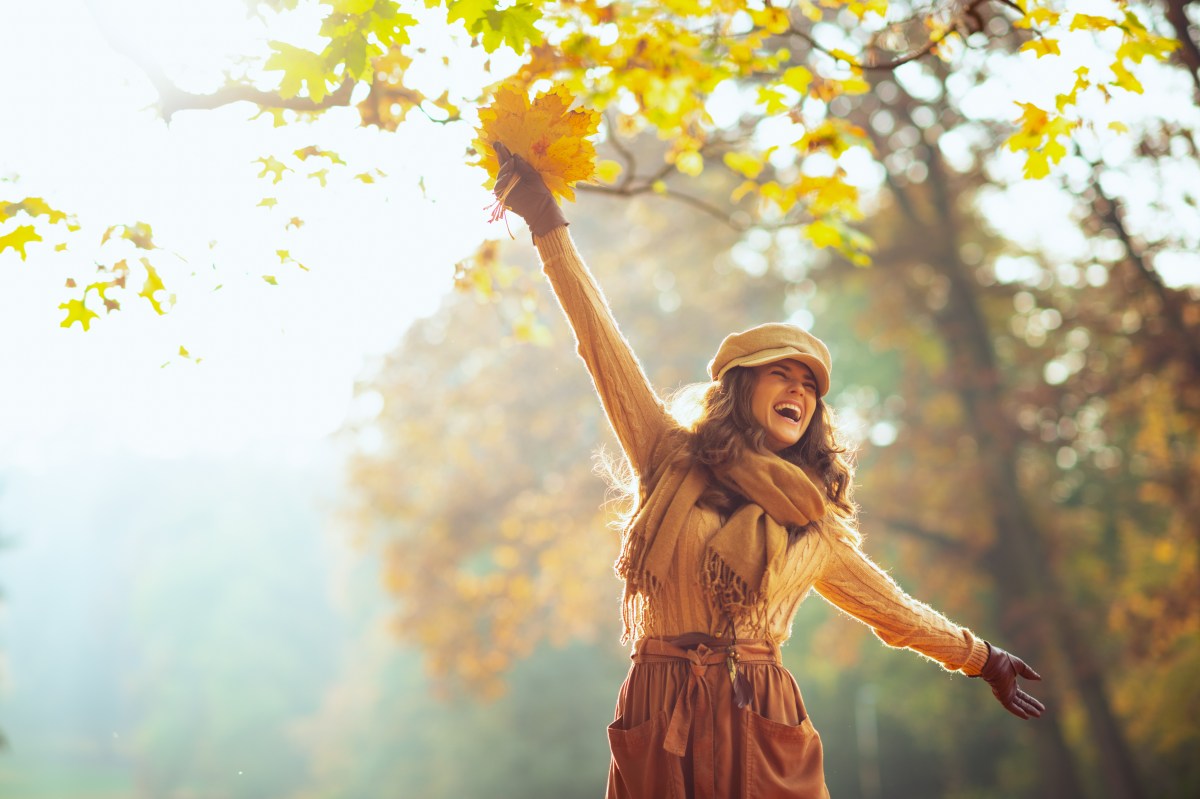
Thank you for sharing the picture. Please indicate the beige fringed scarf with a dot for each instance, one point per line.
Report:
(745, 555)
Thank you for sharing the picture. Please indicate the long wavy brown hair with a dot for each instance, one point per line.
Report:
(719, 416)
(727, 427)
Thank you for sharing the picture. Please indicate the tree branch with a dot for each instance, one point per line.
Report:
(172, 99)
(971, 11)
(919, 532)
(687, 199)
(1189, 52)
(1109, 211)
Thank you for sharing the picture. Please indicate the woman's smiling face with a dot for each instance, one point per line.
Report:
(783, 401)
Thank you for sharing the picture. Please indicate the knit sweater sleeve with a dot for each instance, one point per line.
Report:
(853, 583)
(634, 410)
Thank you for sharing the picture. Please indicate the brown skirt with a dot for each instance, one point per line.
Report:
(679, 735)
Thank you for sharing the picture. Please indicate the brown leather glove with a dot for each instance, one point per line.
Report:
(528, 197)
(1001, 672)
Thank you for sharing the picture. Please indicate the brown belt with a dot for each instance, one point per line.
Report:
(700, 652)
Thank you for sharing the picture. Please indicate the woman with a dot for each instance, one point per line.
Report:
(735, 520)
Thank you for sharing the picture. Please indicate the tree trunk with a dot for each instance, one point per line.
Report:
(1035, 618)
(1033, 606)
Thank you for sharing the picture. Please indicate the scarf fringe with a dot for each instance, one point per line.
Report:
(732, 596)
(637, 603)
(638, 608)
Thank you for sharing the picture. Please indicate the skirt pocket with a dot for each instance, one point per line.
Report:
(783, 760)
(640, 767)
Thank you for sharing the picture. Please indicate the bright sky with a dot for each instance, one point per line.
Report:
(279, 362)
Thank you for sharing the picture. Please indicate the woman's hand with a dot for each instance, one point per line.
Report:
(520, 188)
(1001, 672)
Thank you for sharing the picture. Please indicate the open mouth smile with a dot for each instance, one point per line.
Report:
(790, 411)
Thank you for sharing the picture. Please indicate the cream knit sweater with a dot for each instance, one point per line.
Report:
(836, 567)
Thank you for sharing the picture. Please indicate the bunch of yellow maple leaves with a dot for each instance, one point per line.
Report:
(547, 133)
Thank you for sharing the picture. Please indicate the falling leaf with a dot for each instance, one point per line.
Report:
(268, 202)
(295, 222)
(140, 234)
(77, 311)
(152, 286)
(18, 239)
(550, 136)
(33, 206)
(313, 151)
(320, 175)
(364, 177)
(272, 166)
(270, 279)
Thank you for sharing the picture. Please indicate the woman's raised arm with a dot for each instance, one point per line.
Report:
(634, 410)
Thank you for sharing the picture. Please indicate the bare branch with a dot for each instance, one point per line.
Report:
(919, 532)
(969, 12)
(172, 99)
(629, 162)
(687, 199)
(1109, 210)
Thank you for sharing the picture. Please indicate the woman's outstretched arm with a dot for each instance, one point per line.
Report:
(634, 410)
(853, 583)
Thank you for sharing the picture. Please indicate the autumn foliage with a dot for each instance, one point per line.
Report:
(551, 136)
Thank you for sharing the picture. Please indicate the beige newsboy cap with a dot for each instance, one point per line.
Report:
(771, 342)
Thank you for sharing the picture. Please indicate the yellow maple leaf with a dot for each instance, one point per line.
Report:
(1041, 46)
(151, 287)
(19, 238)
(547, 133)
(77, 312)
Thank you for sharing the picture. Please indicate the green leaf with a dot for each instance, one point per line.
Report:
(391, 28)
(18, 239)
(469, 11)
(300, 67)
(514, 26)
(350, 6)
